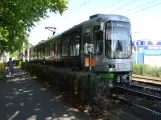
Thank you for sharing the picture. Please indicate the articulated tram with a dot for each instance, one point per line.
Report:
(110, 35)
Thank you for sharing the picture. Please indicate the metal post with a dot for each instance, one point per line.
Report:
(136, 58)
(136, 54)
(90, 50)
(89, 81)
(143, 62)
(90, 68)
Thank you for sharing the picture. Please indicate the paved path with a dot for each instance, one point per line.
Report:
(23, 98)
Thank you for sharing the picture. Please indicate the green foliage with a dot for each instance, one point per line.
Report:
(15, 54)
(74, 83)
(17, 17)
(137, 69)
(148, 70)
(17, 62)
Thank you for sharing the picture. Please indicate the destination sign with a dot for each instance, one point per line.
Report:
(119, 25)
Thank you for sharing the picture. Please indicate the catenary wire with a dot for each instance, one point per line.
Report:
(138, 7)
(124, 5)
(76, 9)
(143, 9)
(111, 5)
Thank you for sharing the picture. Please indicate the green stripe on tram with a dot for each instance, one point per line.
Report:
(107, 75)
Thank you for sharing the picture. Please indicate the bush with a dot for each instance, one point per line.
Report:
(137, 69)
(2, 67)
(16, 62)
(148, 70)
(74, 83)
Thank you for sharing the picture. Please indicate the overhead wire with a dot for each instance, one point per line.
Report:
(124, 5)
(71, 3)
(76, 9)
(144, 9)
(86, 2)
(111, 5)
(138, 7)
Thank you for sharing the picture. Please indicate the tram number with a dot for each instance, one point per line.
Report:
(123, 65)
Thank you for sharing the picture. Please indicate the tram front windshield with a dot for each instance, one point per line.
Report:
(118, 40)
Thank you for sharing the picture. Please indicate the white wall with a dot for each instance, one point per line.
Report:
(152, 60)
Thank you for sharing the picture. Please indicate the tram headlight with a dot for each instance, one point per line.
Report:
(111, 66)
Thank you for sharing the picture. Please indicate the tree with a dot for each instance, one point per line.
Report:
(17, 17)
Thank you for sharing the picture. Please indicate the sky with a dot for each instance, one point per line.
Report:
(144, 15)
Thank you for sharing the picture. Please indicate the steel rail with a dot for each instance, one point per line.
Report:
(145, 79)
(138, 92)
(142, 85)
(142, 107)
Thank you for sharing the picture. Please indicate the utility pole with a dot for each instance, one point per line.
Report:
(143, 61)
(136, 48)
(136, 53)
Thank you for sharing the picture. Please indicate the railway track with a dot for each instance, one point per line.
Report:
(148, 113)
(134, 101)
(146, 87)
(138, 93)
(135, 93)
(139, 106)
(146, 79)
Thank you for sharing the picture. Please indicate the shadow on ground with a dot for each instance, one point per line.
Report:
(23, 98)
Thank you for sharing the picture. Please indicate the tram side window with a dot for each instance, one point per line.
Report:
(58, 52)
(56, 48)
(34, 52)
(42, 50)
(30, 53)
(65, 47)
(86, 41)
(74, 45)
(38, 51)
(52, 49)
(48, 50)
(26, 54)
(98, 39)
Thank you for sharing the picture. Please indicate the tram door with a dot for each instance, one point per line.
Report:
(86, 38)
(92, 34)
